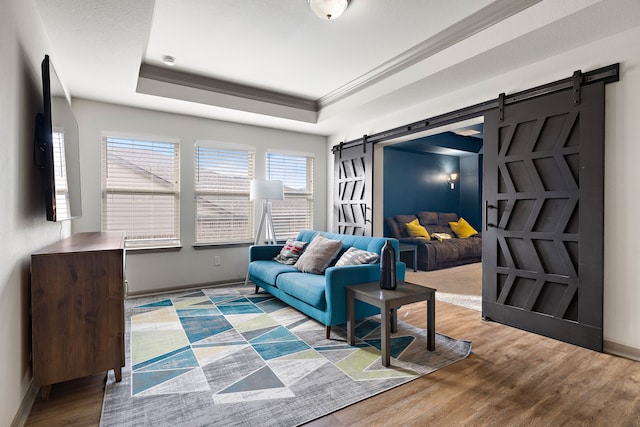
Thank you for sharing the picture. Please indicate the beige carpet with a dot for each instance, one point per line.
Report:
(460, 285)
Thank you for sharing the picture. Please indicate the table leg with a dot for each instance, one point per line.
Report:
(431, 322)
(394, 320)
(351, 329)
(415, 259)
(385, 332)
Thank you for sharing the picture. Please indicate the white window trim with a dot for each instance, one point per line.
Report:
(231, 146)
(159, 243)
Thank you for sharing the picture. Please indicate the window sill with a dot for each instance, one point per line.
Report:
(199, 246)
(153, 249)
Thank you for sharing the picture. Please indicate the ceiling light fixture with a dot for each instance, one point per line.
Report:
(328, 9)
(168, 60)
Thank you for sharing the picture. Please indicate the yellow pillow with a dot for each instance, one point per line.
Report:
(416, 230)
(462, 228)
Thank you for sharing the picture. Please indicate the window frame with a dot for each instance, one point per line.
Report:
(307, 194)
(236, 192)
(173, 240)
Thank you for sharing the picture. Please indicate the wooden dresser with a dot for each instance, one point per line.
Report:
(77, 308)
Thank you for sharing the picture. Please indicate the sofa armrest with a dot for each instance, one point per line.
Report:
(264, 252)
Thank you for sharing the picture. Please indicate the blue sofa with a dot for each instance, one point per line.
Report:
(321, 297)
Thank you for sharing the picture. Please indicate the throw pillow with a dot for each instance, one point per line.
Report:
(416, 230)
(290, 252)
(355, 256)
(441, 236)
(318, 255)
(462, 228)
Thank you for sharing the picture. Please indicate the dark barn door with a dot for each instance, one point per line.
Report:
(353, 195)
(543, 220)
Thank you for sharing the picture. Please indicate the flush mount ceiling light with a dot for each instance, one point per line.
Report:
(168, 60)
(328, 9)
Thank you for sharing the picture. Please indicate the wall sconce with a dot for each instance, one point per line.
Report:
(452, 180)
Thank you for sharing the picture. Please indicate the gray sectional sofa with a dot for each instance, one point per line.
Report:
(434, 254)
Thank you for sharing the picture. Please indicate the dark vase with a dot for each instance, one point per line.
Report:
(388, 266)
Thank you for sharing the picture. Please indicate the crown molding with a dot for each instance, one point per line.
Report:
(159, 81)
(484, 18)
(226, 87)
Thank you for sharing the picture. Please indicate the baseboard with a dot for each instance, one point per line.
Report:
(198, 286)
(24, 410)
(622, 350)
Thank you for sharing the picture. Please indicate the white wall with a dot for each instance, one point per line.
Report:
(622, 151)
(23, 228)
(152, 271)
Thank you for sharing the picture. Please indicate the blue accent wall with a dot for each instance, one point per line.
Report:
(471, 190)
(417, 181)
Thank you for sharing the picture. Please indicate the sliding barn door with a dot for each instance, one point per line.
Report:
(543, 219)
(353, 195)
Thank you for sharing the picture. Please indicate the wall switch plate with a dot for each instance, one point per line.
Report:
(216, 260)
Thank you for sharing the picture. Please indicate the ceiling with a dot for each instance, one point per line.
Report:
(274, 63)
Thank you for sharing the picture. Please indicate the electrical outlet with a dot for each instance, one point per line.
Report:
(216, 260)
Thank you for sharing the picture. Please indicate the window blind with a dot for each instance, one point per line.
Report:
(141, 191)
(63, 208)
(224, 213)
(295, 212)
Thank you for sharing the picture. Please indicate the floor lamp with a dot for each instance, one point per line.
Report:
(266, 190)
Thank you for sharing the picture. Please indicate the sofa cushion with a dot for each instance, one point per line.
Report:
(355, 256)
(445, 218)
(267, 270)
(428, 218)
(469, 248)
(318, 255)
(309, 288)
(435, 222)
(290, 252)
(446, 251)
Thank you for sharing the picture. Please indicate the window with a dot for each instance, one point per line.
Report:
(63, 208)
(141, 191)
(295, 212)
(223, 173)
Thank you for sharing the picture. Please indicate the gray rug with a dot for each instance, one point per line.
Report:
(230, 357)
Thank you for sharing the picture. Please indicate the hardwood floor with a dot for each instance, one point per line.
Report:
(513, 378)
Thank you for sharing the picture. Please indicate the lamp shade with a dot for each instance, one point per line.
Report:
(262, 189)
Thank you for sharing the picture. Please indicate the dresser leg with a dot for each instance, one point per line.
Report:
(118, 373)
(45, 391)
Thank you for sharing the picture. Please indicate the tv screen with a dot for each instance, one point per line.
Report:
(57, 149)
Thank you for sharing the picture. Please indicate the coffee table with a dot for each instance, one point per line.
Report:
(388, 301)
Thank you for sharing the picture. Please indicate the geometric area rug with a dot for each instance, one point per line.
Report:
(228, 356)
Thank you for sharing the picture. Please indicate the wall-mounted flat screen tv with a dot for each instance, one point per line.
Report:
(57, 149)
